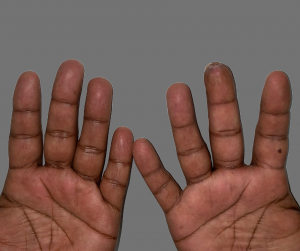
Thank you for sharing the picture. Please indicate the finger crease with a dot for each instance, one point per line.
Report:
(24, 135)
(153, 172)
(112, 205)
(91, 149)
(114, 182)
(97, 121)
(117, 161)
(222, 103)
(86, 177)
(199, 178)
(163, 186)
(228, 164)
(191, 151)
(178, 198)
(275, 114)
(273, 137)
(57, 164)
(226, 133)
(34, 163)
(266, 165)
(184, 126)
(60, 134)
(66, 102)
(27, 110)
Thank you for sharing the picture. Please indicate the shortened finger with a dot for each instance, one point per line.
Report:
(271, 136)
(91, 147)
(163, 186)
(225, 129)
(115, 179)
(191, 149)
(26, 140)
(62, 128)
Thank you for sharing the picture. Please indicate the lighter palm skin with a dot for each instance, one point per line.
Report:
(64, 204)
(226, 204)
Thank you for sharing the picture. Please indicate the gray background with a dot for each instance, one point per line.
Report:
(143, 47)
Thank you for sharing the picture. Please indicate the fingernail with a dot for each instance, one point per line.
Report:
(212, 64)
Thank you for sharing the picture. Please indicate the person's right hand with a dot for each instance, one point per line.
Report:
(226, 205)
(60, 205)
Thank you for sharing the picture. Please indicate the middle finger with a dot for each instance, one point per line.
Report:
(225, 129)
(62, 128)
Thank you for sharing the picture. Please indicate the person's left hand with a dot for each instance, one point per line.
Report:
(226, 205)
(64, 204)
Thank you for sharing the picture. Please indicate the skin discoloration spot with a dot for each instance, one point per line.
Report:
(279, 150)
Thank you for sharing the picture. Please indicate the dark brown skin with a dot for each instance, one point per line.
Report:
(64, 204)
(226, 205)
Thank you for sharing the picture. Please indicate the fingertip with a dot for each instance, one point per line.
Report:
(122, 144)
(68, 82)
(124, 134)
(212, 64)
(27, 91)
(277, 74)
(99, 83)
(72, 63)
(29, 77)
(70, 70)
(141, 148)
(219, 84)
(276, 95)
(98, 103)
(178, 93)
(215, 70)
(145, 156)
(180, 105)
(278, 79)
(124, 129)
(176, 88)
(28, 80)
(140, 142)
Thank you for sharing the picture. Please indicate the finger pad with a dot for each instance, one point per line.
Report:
(180, 105)
(276, 96)
(27, 92)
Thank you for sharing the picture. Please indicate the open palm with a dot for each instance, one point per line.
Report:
(226, 204)
(64, 204)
